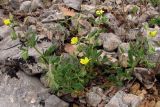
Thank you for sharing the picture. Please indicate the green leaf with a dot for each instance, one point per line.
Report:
(50, 50)
(31, 41)
(24, 54)
(13, 34)
(77, 86)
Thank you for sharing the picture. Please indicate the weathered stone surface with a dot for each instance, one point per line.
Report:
(121, 99)
(25, 6)
(110, 41)
(75, 4)
(54, 101)
(26, 91)
(10, 48)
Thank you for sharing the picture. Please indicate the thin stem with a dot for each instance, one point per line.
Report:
(41, 54)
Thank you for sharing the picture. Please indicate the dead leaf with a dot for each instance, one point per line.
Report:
(71, 49)
(67, 12)
(135, 88)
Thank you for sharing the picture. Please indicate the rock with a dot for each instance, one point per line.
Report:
(123, 48)
(145, 76)
(32, 69)
(118, 2)
(33, 28)
(75, 4)
(132, 34)
(157, 104)
(121, 99)
(113, 22)
(120, 31)
(51, 15)
(93, 99)
(57, 31)
(54, 101)
(25, 6)
(15, 4)
(10, 48)
(31, 20)
(88, 8)
(95, 96)
(110, 41)
(36, 4)
(132, 1)
(25, 90)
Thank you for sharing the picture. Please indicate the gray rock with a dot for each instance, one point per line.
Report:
(31, 20)
(121, 99)
(75, 4)
(88, 8)
(36, 4)
(95, 96)
(145, 76)
(54, 101)
(26, 91)
(123, 48)
(132, 1)
(10, 48)
(110, 41)
(32, 69)
(57, 31)
(25, 6)
(23, 92)
(51, 16)
(15, 4)
(132, 34)
(93, 99)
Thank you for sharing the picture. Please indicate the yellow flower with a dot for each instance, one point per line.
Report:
(84, 61)
(153, 33)
(99, 12)
(74, 40)
(7, 22)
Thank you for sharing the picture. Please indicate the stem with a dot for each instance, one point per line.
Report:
(41, 55)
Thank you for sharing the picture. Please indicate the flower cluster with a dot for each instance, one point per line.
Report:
(7, 22)
(99, 12)
(74, 40)
(84, 61)
(153, 33)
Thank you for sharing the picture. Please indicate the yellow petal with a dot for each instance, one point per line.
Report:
(7, 22)
(153, 33)
(74, 40)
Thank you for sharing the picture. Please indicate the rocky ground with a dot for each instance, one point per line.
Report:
(22, 83)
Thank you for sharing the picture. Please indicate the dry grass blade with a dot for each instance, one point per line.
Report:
(67, 12)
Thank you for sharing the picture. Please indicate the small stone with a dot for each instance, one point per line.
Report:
(75, 4)
(36, 4)
(123, 48)
(93, 99)
(131, 35)
(110, 41)
(121, 99)
(88, 8)
(145, 76)
(25, 6)
(54, 101)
